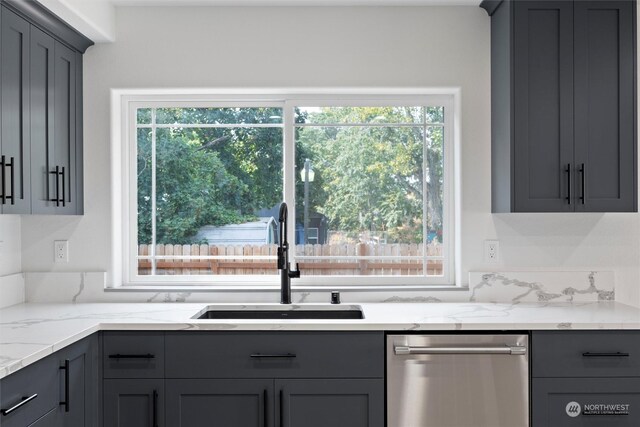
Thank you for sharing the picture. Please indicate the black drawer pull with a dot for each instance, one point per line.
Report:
(568, 171)
(24, 401)
(616, 354)
(132, 356)
(584, 184)
(265, 403)
(155, 408)
(273, 356)
(66, 385)
(3, 196)
(281, 408)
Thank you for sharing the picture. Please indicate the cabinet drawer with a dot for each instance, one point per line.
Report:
(593, 402)
(275, 355)
(586, 354)
(133, 355)
(40, 380)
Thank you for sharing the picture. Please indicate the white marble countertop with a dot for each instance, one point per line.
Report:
(30, 332)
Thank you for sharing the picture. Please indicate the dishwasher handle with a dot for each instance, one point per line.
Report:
(516, 350)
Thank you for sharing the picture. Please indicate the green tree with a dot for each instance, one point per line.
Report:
(193, 188)
(371, 178)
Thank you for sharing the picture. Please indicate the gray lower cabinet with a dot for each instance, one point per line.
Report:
(563, 105)
(30, 393)
(133, 403)
(243, 379)
(50, 419)
(585, 378)
(79, 383)
(228, 403)
(60, 390)
(594, 402)
(330, 402)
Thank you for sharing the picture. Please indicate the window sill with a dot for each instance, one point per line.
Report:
(275, 289)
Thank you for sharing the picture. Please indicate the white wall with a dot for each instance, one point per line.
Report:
(334, 47)
(10, 245)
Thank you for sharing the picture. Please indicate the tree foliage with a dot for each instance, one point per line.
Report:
(366, 178)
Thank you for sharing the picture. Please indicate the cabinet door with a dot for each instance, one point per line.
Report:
(334, 403)
(51, 419)
(133, 403)
(79, 383)
(228, 403)
(42, 122)
(593, 402)
(543, 106)
(64, 136)
(15, 140)
(605, 90)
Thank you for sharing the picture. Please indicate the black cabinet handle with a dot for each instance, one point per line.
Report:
(3, 196)
(3, 176)
(281, 409)
(582, 175)
(12, 165)
(568, 171)
(56, 173)
(265, 402)
(273, 356)
(23, 402)
(155, 408)
(132, 356)
(64, 197)
(66, 385)
(616, 354)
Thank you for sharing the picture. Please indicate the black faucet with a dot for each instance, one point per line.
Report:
(283, 258)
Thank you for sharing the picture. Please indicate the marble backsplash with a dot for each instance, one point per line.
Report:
(506, 287)
(12, 290)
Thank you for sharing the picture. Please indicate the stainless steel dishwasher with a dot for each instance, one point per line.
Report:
(457, 380)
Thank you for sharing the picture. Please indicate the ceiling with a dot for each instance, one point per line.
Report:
(96, 18)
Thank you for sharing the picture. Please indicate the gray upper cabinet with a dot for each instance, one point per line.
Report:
(605, 149)
(563, 106)
(42, 120)
(41, 171)
(54, 147)
(15, 196)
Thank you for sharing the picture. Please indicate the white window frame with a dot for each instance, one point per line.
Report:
(124, 185)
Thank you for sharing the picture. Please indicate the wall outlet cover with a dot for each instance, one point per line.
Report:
(61, 251)
(491, 251)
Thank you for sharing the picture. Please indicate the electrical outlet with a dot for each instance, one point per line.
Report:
(61, 251)
(491, 251)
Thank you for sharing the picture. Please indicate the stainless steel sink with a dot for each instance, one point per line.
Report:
(280, 312)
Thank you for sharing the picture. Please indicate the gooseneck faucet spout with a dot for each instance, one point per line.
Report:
(283, 258)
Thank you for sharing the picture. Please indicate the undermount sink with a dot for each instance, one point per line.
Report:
(280, 312)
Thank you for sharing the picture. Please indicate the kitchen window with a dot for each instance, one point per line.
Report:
(368, 180)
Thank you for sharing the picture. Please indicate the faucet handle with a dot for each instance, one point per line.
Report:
(295, 274)
(281, 261)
